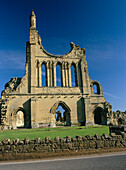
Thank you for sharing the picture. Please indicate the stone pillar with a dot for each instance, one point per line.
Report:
(69, 70)
(66, 73)
(85, 77)
(52, 120)
(68, 119)
(37, 73)
(34, 124)
(54, 74)
(48, 73)
(88, 113)
(63, 74)
(51, 77)
(76, 75)
(40, 74)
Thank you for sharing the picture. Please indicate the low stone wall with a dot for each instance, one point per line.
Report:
(77, 143)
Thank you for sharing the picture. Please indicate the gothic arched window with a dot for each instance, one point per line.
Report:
(96, 88)
(44, 75)
(73, 76)
(58, 75)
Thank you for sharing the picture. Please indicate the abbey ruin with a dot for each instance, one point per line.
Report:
(51, 81)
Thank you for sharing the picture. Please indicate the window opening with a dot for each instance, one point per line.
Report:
(73, 76)
(95, 89)
(43, 75)
(58, 76)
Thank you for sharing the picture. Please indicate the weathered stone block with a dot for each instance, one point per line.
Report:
(52, 141)
(26, 140)
(37, 140)
(112, 143)
(5, 141)
(117, 144)
(13, 147)
(89, 137)
(1, 143)
(62, 140)
(47, 139)
(30, 142)
(99, 144)
(19, 148)
(106, 143)
(42, 141)
(79, 138)
(16, 141)
(27, 148)
(86, 144)
(97, 137)
(123, 142)
(70, 146)
(92, 144)
(105, 136)
(10, 143)
(123, 135)
(68, 139)
(73, 139)
(2, 148)
(57, 139)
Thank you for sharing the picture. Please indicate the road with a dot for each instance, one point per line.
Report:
(104, 162)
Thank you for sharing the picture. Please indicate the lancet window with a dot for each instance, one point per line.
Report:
(58, 75)
(44, 75)
(96, 88)
(73, 76)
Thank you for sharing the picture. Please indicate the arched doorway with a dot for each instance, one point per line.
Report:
(60, 112)
(18, 118)
(100, 117)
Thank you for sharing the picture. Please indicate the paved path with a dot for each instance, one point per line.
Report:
(105, 162)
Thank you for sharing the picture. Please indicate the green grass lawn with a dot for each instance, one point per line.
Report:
(53, 132)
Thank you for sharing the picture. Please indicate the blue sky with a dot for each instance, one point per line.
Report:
(97, 25)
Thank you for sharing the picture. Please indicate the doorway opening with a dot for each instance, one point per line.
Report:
(100, 116)
(62, 114)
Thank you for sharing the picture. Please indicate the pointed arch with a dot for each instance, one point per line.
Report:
(67, 115)
(19, 117)
(63, 104)
(96, 87)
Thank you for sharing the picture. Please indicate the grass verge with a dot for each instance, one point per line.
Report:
(53, 132)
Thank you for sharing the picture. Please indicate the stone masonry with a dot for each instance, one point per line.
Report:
(66, 144)
(38, 101)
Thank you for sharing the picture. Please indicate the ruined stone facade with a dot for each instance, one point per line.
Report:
(117, 118)
(37, 95)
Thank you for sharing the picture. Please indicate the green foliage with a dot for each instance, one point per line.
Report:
(53, 132)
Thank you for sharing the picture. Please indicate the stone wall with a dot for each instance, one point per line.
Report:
(118, 118)
(66, 144)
